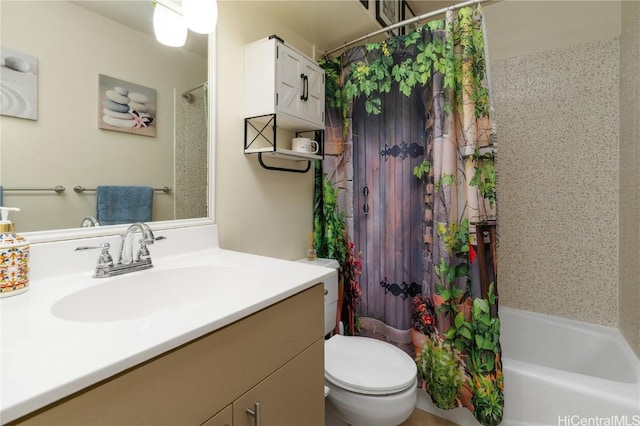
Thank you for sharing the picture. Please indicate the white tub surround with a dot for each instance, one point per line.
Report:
(556, 368)
(45, 358)
(560, 371)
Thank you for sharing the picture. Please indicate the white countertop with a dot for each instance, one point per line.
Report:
(44, 358)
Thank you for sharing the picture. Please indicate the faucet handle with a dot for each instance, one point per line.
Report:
(143, 252)
(105, 260)
(153, 239)
(103, 246)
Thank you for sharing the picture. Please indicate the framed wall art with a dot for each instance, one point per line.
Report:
(407, 13)
(18, 84)
(388, 12)
(365, 3)
(126, 107)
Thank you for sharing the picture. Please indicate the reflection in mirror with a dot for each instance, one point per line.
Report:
(70, 45)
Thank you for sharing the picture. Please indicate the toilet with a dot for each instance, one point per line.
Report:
(370, 382)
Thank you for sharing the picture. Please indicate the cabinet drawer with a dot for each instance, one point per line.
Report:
(188, 385)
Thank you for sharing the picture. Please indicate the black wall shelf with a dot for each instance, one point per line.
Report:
(263, 141)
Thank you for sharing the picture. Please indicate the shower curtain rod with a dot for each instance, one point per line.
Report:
(407, 22)
(185, 93)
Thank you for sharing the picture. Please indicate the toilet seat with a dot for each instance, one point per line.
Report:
(367, 366)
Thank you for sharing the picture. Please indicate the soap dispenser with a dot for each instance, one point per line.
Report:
(14, 257)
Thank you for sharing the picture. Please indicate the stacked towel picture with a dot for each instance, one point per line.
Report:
(124, 204)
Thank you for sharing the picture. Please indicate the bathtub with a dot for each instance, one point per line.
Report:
(561, 372)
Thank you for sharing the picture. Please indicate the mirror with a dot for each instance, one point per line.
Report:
(73, 47)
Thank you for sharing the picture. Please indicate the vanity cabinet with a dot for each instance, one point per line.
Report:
(274, 356)
(284, 96)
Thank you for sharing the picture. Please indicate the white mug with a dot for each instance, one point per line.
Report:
(305, 145)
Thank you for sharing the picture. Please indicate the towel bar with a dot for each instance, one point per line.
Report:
(57, 189)
(80, 189)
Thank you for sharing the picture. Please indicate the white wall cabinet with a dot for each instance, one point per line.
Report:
(274, 356)
(280, 80)
(284, 97)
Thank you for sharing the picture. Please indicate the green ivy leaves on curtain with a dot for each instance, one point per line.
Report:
(330, 241)
(458, 355)
(463, 176)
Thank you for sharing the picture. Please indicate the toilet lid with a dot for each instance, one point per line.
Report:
(367, 366)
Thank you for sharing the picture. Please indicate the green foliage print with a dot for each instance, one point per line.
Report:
(410, 60)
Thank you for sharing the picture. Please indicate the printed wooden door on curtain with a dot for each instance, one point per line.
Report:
(389, 206)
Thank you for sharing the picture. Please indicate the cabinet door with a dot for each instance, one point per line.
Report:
(291, 396)
(223, 418)
(289, 82)
(313, 106)
(300, 86)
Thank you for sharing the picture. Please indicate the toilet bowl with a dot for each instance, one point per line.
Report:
(371, 382)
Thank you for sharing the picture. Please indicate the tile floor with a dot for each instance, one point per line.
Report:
(422, 418)
(418, 418)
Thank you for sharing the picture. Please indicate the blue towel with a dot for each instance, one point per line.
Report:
(124, 204)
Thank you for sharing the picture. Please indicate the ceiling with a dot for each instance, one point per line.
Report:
(324, 23)
(138, 14)
(331, 23)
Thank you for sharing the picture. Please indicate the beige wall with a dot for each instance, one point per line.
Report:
(630, 174)
(521, 27)
(258, 211)
(557, 110)
(64, 146)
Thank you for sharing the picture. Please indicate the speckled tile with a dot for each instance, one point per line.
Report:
(630, 175)
(190, 192)
(558, 174)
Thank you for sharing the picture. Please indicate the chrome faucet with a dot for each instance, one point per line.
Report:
(89, 222)
(125, 257)
(126, 261)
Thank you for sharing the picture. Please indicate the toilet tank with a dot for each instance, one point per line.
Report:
(330, 292)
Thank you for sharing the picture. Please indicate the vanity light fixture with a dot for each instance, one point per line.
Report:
(200, 15)
(170, 21)
(168, 24)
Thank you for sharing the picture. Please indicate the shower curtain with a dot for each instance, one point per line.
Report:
(411, 160)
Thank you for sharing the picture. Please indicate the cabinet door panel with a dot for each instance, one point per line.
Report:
(292, 396)
(314, 105)
(289, 82)
(223, 418)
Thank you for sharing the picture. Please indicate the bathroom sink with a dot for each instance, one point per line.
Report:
(142, 294)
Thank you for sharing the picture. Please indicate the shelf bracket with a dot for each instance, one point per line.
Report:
(260, 132)
(283, 169)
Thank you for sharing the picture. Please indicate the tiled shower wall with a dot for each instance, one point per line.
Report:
(191, 168)
(557, 119)
(630, 174)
